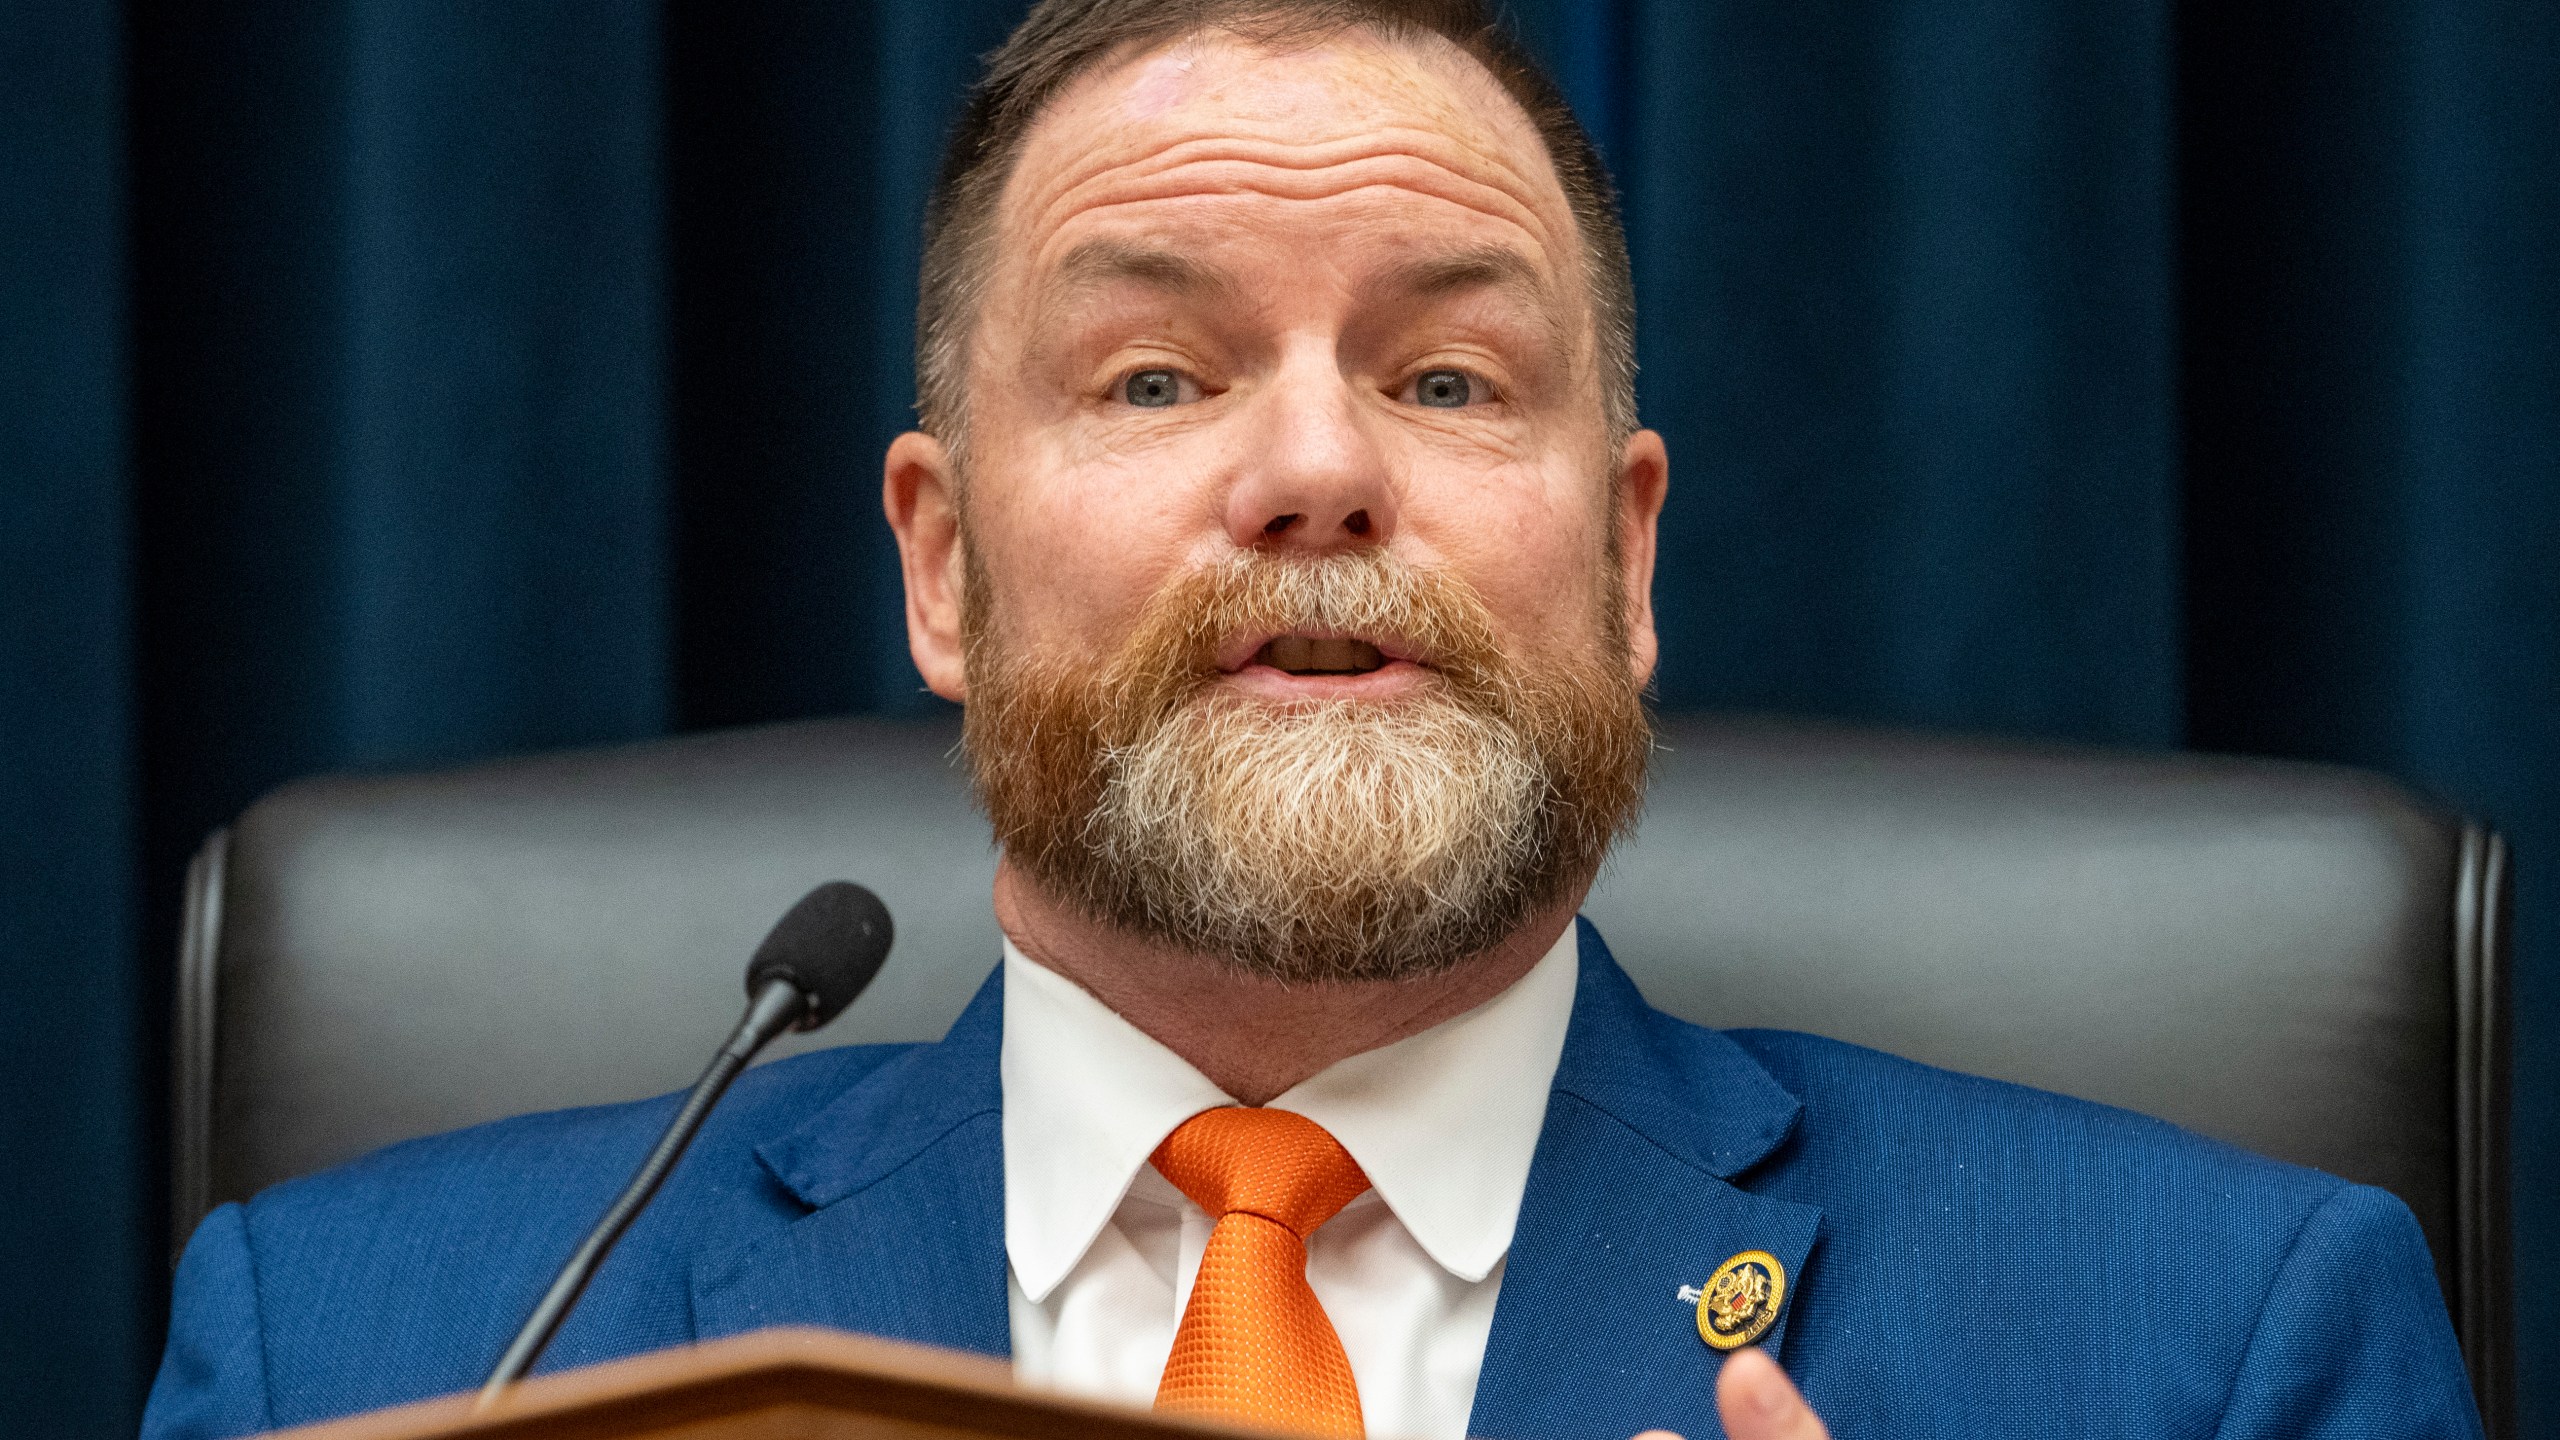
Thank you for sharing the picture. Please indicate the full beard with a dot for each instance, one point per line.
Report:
(1333, 840)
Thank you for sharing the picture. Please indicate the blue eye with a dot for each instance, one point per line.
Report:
(1152, 389)
(1444, 389)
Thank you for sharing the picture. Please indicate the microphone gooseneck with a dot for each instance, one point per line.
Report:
(818, 957)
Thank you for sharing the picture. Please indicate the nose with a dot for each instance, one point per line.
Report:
(1315, 478)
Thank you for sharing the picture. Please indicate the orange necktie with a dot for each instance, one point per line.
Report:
(1254, 1344)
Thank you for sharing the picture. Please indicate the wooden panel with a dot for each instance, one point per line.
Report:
(798, 1384)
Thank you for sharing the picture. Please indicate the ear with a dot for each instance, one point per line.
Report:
(1644, 477)
(919, 488)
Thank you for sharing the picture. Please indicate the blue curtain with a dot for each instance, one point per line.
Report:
(388, 382)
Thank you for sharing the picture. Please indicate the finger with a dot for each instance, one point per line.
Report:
(1758, 1402)
(1659, 1435)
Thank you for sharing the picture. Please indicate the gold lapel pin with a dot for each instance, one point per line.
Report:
(1740, 1301)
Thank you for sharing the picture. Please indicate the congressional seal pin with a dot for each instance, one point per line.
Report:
(1740, 1301)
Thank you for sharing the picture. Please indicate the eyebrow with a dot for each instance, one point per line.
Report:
(1098, 263)
(1483, 267)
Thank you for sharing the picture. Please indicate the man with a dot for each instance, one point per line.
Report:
(1280, 515)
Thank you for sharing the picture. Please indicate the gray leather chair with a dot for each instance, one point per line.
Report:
(2303, 960)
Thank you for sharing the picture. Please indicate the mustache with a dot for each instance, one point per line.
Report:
(1423, 613)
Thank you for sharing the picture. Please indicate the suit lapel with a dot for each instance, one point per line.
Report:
(1629, 1200)
(902, 1177)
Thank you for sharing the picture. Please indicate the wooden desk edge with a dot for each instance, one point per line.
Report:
(830, 1369)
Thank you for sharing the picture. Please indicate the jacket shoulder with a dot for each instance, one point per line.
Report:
(2087, 1255)
(403, 1273)
(536, 1157)
(1856, 1097)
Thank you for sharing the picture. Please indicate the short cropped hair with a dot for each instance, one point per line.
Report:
(1060, 40)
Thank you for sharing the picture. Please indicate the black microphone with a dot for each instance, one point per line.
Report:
(820, 955)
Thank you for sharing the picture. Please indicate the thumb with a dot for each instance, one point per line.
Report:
(1758, 1402)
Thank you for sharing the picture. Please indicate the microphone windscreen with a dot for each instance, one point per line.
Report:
(829, 946)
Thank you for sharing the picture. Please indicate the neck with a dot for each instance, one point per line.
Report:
(1253, 1037)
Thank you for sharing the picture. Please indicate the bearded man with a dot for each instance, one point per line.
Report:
(1280, 516)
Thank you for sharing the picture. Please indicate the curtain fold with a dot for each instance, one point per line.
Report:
(396, 382)
(75, 1188)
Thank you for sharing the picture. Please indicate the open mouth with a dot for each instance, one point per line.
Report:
(1320, 655)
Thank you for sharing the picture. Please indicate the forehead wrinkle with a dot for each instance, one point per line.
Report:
(1190, 210)
(1292, 153)
(1422, 160)
(1071, 212)
(1420, 86)
(1074, 213)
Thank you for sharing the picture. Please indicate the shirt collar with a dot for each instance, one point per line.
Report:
(1445, 1122)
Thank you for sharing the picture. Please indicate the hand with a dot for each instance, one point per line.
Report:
(1757, 1402)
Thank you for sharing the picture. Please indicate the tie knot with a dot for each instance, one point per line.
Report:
(1276, 1164)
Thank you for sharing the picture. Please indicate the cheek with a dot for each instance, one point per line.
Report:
(1081, 541)
(1530, 538)
(1135, 503)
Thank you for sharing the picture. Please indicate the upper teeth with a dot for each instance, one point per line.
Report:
(1300, 654)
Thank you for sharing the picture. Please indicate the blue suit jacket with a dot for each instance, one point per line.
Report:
(1969, 1258)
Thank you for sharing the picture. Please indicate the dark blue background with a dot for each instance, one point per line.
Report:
(385, 382)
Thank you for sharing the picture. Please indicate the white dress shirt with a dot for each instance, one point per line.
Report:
(1103, 1249)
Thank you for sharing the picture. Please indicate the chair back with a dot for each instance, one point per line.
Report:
(2303, 960)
